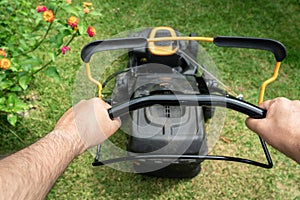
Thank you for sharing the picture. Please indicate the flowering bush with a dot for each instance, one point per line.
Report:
(32, 37)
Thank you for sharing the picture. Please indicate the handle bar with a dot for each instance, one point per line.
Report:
(277, 48)
(188, 100)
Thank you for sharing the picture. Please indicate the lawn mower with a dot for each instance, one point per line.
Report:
(165, 98)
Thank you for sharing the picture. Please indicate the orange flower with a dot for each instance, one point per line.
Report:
(91, 31)
(87, 4)
(68, 1)
(86, 10)
(48, 16)
(5, 63)
(2, 53)
(73, 22)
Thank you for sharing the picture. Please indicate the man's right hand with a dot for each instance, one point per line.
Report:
(281, 127)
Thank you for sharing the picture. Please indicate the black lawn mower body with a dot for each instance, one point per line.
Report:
(179, 124)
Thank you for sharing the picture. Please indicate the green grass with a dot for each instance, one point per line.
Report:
(242, 70)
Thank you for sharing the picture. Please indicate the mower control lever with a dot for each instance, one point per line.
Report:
(274, 46)
(188, 100)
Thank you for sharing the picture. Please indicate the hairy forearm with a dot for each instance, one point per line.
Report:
(31, 172)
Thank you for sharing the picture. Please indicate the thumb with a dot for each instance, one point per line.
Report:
(255, 125)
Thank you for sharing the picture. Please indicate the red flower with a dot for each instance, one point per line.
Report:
(73, 22)
(48, 16)
(2, 53)
(64, 49)
(41, 9)
(91, 31)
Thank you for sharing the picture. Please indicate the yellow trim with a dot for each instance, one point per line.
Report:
(267, 82)
(161, 50)
(167, 50)
(201, 39)
(88, 72)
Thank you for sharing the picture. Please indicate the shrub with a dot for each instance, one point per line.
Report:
(31, 39)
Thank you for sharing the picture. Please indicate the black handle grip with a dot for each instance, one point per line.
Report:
(111, 44)
(253, 43)
(188, 100)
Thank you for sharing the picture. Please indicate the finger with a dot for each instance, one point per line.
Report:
(113, 126)
(250, 123)
(256, 125)
(106, 105)
(116, 123)
(266, 104)
(253, 124)
(101, 102)
(279, 100)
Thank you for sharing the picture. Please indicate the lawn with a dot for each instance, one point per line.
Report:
(242, 70)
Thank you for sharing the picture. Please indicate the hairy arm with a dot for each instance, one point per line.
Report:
(31, 172)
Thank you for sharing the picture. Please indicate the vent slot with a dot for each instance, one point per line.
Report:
(167, 111)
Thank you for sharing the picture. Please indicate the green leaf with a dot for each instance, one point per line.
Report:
(70, 10)
(82, 27)
(2, 75)
(16, 89)
(51, 5)
(14, 104)
(4, 2)
(23, 45)
(53, 73)
(29, 62)
(19, 105)
(57, 40)
(2, 103)
(2, 100)
(4, 84)
(53, 56)
(24, 81)
(66, 32)
(12, 119)
(95, 13)
(11, 99)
